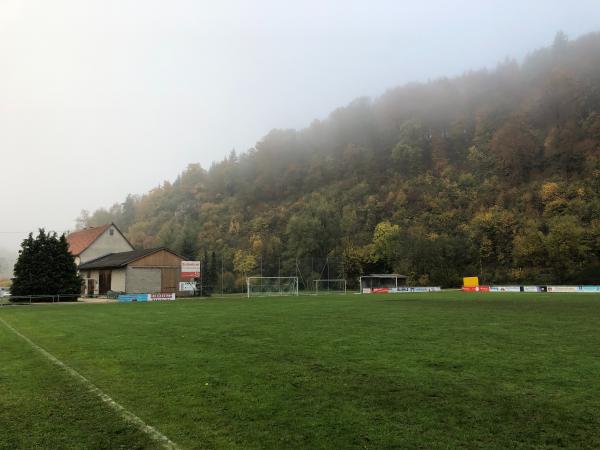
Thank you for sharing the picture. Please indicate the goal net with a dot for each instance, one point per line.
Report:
(337, 286)
(263, 286)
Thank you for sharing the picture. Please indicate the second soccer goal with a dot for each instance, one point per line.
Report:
(337, 286)
(263, 286)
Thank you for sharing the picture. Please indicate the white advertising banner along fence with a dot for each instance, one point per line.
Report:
(573, 288)
(588, 289)
(551, 289)
(159, 297)
(505, 289)
(403, 289)
(145, 297)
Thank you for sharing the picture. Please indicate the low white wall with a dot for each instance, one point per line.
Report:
(118, 279)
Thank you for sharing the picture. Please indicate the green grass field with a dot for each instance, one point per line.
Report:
(440, 370)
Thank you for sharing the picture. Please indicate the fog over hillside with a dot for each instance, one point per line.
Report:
(7, 261)
(495, 172)
(104, 98)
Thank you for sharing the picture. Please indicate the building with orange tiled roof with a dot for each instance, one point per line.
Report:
(108, 262)
(95, 242)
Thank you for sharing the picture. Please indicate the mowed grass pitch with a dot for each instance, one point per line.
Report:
(440, 370)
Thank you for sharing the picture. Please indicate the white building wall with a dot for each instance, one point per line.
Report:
(106, 244)
(117, 280)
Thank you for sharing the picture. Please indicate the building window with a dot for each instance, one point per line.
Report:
(111, 231)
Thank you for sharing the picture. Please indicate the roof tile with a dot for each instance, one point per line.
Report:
(80, 240)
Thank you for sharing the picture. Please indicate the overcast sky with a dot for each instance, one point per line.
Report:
(100, 98)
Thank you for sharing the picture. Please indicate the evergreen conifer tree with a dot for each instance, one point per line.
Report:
(45, 267)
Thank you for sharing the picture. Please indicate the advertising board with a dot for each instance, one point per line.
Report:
(187, 286)
(476, 289)
(144, 297)
(133, 298)
(562, 288)
(160, 297)
(470, 282)
(401, 289)
(589, 288)
(415, 289)
(505, 289)
(190, 269)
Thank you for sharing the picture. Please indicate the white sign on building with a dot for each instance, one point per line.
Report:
(187, 286)
(190, 269)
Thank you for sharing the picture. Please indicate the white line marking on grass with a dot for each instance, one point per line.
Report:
(128, 416)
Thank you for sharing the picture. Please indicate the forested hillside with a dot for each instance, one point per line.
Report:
(495, 173)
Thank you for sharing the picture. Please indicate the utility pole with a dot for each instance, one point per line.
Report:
(201, 275)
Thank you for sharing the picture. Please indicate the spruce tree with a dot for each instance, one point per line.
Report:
(188, 248)
(45, 267)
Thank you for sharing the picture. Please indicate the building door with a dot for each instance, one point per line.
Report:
(90, 286)
(104, 282)
(169, 280)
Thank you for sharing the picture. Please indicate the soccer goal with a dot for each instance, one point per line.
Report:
(337, 286)
(263, 286)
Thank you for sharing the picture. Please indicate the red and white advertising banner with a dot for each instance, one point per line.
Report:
(159, 297)
(190, 269)
(476, 289)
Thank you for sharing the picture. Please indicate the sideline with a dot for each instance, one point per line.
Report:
(128, 416)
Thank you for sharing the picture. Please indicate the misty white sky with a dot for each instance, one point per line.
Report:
(100, 98)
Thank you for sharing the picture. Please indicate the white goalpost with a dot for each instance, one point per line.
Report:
(336, 286)
(263, 286)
